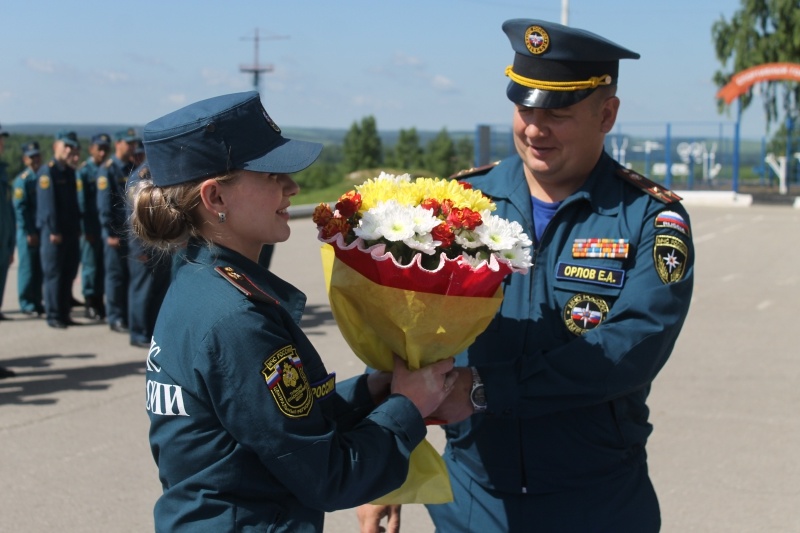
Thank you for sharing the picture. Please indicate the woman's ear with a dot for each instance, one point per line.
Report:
(212, 198)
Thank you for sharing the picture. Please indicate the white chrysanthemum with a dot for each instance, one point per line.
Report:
(369, 226)
(393, 222)
(385, 176)
(423, 243)
(519, 256)
(468, 239)
(497, 233)
(424, 221)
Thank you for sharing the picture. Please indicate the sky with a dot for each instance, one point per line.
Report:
(427, 64)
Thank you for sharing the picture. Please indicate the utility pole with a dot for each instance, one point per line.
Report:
(565, 12)
(256, 69)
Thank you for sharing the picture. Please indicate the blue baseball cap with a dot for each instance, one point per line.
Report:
(128, 135)
(557, 66)
(101, 139)
(220, 134)
(70, 138)
(30, 149)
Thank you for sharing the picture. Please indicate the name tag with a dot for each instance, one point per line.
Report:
(610, 277)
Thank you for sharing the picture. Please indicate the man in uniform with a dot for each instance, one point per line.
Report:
(29, 264)
(7, 231)
(92, 271)
(549, 415)
(58, 220)
(112, 177)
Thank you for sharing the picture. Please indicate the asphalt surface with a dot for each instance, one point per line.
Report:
(74, 455)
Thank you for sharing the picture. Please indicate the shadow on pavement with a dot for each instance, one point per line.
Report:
(34, 387)
(316, 316)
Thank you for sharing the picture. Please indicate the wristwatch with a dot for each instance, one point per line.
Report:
(478, 393)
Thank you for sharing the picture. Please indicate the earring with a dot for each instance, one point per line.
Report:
(222, 217)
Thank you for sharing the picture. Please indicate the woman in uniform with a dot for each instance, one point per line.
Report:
(249, 430)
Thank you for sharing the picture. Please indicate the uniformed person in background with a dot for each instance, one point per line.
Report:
(7, 222)
(59, 221)
(92, 270)
(550, 423)
(241, 405)
(151, 271)
(111, 206)
(29, 263)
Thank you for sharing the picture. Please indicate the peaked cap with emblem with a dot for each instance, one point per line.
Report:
(220, 134)
(558, 66)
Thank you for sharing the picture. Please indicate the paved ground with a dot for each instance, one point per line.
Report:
(73, 431)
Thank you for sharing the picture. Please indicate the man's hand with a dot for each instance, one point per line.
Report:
(370, 516)
(33, 240)
(55, 238)
(457, 406)
(113, 242)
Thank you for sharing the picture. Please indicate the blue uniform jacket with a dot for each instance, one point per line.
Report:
(569, 358)
(57, 210)
(247, 429)
(112, 177)
(86, 182)
(8, 234)
(25, 201)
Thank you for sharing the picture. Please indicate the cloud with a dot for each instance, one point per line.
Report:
(112, 77)
(443, 84)
(44, 66)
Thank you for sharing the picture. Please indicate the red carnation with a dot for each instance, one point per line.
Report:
(444, 234)
(464, 218)
(446, 206)
(432, 204)
(349, 204)
(466, 185)
(335, 226)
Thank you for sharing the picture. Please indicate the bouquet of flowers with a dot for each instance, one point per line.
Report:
(414, 267)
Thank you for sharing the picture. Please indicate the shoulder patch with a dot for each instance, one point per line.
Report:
(108, 163)
(102, 183)
(672, 220)
(670, 255)
(650, 187)
(474, 171)
(245, 286)
(18, 193)
(44, 181)
(287, 382)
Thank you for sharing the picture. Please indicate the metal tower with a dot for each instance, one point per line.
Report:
(256, 69)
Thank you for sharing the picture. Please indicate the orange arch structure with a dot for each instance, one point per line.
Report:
(742, 81)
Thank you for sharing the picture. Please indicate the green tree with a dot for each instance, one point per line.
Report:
(362, 146)
(761, 31)
(440, 155)
(465, 154)
(407, 154)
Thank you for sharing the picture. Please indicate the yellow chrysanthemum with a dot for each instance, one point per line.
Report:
(377, 190)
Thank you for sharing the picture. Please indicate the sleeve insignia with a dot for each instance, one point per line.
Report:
(79, 185)
(584, 312)
(670, 255)
(245, 286)
(102, 183)
(44, 182)
(672, 220)
(650, 187)
(18, 193)
(326, 387)
(108, 163)
(474, 171)
(287, 382)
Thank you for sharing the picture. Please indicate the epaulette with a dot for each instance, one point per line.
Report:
(652, 188)
(26, 174)
(51, 164)
(245, 286)
(108, 163)
(474, 171)
(83, 164)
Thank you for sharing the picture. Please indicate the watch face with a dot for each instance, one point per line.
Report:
(478, 396)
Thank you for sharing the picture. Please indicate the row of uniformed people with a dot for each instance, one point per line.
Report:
(71, 214)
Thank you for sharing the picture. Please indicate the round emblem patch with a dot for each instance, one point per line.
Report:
(44, 182)
(584, 312)
(18, 193)
(79, 185)
(670, 255)
(537, 40)
(102, 183)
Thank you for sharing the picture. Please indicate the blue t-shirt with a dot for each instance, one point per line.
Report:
(543, 212)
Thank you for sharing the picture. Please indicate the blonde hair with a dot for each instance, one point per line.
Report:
(165, 218)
